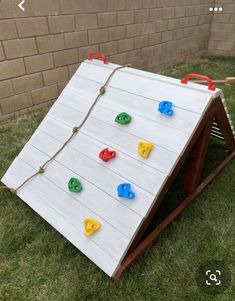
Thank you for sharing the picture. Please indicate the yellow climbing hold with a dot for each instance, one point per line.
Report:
(144, 149)
(91, 226)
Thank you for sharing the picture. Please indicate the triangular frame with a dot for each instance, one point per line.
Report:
(195, 153)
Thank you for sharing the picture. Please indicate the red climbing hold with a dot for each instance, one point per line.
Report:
(106, 155)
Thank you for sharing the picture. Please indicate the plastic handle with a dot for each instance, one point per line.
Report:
(97, 54)
(208, 79)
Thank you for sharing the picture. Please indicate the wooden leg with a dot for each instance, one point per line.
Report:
(196, 159)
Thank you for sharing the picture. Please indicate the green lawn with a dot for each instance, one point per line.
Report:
(37, 263)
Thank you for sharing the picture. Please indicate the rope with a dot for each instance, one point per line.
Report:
(74, 132)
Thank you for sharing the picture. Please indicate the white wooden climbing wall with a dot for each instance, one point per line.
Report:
(137, 93)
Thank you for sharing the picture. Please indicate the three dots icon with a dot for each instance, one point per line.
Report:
(216, 9)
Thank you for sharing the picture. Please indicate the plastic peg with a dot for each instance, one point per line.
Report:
(99, 55)
(124, 191)
(123, 118)
(165, 107)
(91, 226)
(144, 149)
(106, 155)
(74, 185)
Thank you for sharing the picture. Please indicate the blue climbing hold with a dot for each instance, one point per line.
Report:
(165, 107)
(124, 191)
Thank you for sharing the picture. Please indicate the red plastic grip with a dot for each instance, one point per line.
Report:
(97, 54)
(208, 79)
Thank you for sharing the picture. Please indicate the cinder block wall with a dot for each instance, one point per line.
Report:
(222, 38)
(41, 48)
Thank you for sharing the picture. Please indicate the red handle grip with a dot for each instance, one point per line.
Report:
(97, 54)
(208, 79)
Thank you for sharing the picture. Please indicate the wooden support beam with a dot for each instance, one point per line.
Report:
(227, 80)
(196, 159)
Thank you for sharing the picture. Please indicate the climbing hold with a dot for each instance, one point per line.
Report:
(144, 149)
(74, 185)
(123, 118)
(106, 155)
(91, 226)
(165, 107)
(124, 191)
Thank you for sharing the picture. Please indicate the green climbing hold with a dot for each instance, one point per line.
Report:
(123, 118)
(75, 185)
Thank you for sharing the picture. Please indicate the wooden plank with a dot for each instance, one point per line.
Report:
(169, 138)
(227, 80)
(161, 78)
(146, 178)
(40, 205)
(83, 94)
(188, 99)
(107, 238)
(103, 178)
(126, 221)
(160, 159)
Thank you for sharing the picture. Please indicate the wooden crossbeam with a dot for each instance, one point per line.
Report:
(227, 80)
(196, 159)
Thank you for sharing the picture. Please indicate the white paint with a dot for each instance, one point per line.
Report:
(161, 78)
(122, 165)
(144, 87)
(169, 138)
(80, 98)
(160, 158)
(91, 196)
(103, 178)
(35, 200)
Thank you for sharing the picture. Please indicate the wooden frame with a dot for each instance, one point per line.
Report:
(120, 241)
(195, 153)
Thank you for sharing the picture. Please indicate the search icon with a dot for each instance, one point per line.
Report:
(213, 277)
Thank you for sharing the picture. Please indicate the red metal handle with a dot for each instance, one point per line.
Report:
(97, 54)
(208, 79)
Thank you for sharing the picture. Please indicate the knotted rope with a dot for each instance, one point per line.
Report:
(75, 130)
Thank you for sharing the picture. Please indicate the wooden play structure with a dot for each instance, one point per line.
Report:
(100, 163)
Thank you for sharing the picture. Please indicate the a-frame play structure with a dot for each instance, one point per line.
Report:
(100, 163)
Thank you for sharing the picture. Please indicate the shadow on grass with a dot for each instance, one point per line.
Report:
(216, 153)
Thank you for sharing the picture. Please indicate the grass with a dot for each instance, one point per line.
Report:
(37, 263)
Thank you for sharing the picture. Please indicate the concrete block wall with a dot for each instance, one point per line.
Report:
(41, 48)
(222, 37)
